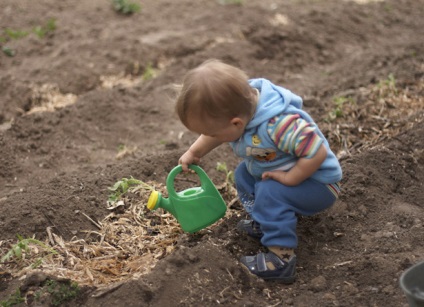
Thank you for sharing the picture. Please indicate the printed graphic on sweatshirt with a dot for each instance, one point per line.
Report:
(261, 154)
(256, 140)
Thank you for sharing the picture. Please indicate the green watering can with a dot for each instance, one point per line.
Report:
(194, 208)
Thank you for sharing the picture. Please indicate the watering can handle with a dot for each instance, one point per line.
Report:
(205, 182)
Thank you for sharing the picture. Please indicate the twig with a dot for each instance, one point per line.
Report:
(232, 202)
(53, 225)
(101, 292)
(343, 263)
(228, 271)
(222, 292)
(49, 233)
(339, 264)
(91, 220)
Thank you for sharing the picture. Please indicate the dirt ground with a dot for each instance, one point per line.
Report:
(114, 76)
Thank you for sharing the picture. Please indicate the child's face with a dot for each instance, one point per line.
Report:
(222, 130)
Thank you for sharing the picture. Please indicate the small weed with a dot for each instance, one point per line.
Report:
(15, 34)
(229, 175)
(122, 186)
(125, 7)
(42, 31)
(339, 103)
(61, 292)
(388, 85)
(19, 249)
(148, 73)
(37, 295)
(10, 34)
(121, 147)
(14, 299)
(37, 263)
(8, 51)
(234, 2)
(124, 150)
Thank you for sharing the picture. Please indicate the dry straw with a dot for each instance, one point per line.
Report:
(366, 117)
(128, 243)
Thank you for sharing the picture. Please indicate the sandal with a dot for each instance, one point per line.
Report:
(284, 271)
(251, 228)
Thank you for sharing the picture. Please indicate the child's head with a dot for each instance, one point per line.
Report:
(215, 92)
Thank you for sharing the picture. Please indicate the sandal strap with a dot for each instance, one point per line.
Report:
(283, 272)
(262, 259)
(261, 262)
(276, 261)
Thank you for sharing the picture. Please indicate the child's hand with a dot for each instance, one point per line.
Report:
(302, 170)
(280, 176)
(188, 158)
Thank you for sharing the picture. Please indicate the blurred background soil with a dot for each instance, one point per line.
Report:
(89, 100)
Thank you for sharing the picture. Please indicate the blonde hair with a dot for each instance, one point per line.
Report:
(216, 90)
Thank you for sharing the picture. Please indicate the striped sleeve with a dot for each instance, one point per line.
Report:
(294, 135)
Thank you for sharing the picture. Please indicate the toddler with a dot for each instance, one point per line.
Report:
(287, 168)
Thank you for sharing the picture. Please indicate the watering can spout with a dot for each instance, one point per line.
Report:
(157, 201)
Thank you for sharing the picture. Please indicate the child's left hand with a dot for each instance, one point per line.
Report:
(280, 176)
(302, 170)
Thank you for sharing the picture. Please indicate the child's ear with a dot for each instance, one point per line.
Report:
(237, 121)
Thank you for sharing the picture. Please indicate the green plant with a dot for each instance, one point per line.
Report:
(37, 295)
(14, 299)
(10, 34)
(121, 147)
(15, 34)
(229, 175)
(49, 27)
(388, 86)
(235, 2)
(339, 103)
(148, 73)
(125, 7)
(61, 292)
(40, 31)
(122, 186)
(22, 246)
(8, 51)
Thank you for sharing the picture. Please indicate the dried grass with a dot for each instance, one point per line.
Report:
(129, 242)
(48, 98)
(382, 112)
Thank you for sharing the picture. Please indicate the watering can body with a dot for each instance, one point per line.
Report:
(194, 208)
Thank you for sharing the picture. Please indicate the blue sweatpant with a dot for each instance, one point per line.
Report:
(274, 205)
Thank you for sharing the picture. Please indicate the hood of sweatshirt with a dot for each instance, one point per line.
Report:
(273, 100)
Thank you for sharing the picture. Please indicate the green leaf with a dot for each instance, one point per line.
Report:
(8, 51)
(17, 251)
(221, 167)
(116, 186)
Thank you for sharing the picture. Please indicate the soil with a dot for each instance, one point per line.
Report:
(56, 164)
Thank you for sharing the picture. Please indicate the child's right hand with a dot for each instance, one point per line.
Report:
(188, 158)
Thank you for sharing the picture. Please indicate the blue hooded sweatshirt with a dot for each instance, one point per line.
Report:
(256, 141)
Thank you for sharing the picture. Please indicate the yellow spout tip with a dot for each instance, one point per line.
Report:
(153, 199)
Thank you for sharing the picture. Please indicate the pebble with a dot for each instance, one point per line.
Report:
(318, 284)
(329, 297)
